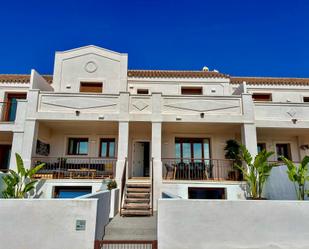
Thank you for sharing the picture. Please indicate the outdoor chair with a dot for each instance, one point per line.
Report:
(170, 171)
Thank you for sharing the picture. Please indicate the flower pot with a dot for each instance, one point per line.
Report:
(256, 199)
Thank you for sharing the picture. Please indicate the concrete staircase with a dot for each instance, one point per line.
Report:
(137, 199)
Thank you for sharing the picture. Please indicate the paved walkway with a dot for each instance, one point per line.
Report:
(132, 228)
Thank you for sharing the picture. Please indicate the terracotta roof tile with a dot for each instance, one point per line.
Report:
(25, 78)
(270, 81)
(21, 78)
(175, 74)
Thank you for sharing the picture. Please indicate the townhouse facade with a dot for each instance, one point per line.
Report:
(94, 119)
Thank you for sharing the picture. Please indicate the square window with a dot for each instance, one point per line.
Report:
(63, 192)
(107, 147)
(191, 90)
(142, 91)
(91, 87)
(10, 106)
(78, 146)
(262, 97)
(260, 147)
(283, 150)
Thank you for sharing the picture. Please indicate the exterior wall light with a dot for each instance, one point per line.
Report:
(294, 120)
(202, 114)
(101, 116)
(178, 118)
(304, 146)
(77, 112)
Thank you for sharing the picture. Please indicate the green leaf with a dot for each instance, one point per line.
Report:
(34, 170)
(29, 186)
(20, 165)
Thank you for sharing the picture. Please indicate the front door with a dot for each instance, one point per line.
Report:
(5, 152)
(141, 157)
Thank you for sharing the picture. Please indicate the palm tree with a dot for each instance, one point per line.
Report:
(298, 175)
(20, 183)
(255, 171)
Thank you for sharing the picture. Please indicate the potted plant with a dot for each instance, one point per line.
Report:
(114, 192)
(298, 174)
(20, 183)
(111, 184)
(255, 171)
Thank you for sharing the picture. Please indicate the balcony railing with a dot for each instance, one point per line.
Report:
(200, 169)
(75, 168)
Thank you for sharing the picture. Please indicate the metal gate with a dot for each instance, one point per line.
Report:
(126, 244)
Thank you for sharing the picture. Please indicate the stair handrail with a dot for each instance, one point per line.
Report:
(123, 184)
(151, 174)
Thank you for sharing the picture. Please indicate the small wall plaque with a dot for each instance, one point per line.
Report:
(80, 225)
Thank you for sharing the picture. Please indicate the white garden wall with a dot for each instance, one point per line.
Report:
(202, 224)
(51, 223)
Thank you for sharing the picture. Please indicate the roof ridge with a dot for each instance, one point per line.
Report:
(268, 77)
(171, 70)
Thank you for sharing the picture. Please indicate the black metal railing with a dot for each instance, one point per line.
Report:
(124, 179)
(120, 244)
(152, 178)
(75, 167)
(200, 169)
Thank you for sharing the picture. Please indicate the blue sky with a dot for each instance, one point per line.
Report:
(237, 37)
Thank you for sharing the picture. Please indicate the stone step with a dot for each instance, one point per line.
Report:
(127, 212)
(136, 200)
(138, 185)
(138, 195)
(138, 190)
(134, 206)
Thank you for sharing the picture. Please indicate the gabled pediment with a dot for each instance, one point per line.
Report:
(90, 64)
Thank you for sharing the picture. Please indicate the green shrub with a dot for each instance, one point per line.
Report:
(111, 185)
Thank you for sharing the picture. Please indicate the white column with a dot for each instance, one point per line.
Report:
(156, 138)
(123, 141)
(29, 141)
(248, 136)
(18, 133)
(248, 129)
(17, 147)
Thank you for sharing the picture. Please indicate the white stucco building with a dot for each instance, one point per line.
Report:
(94, 119)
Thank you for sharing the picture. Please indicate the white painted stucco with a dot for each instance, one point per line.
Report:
(50, 224)
(214, 224)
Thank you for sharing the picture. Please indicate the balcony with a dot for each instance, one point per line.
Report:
(277, 114)
(75, 167)
(197, 169)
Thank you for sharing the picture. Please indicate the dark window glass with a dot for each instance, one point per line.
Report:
(192, 148)
(107, 147)
(91, 87)
(5, 153)
(261, 97)
(78, 146)
(260, 147)
(142, 91)
(71, 192)
(206, 193)
(283, 150)
(306, 99)
(192, 90)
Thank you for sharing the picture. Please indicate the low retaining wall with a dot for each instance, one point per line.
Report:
(52, 223)
(219, 224)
